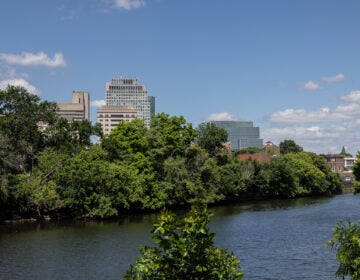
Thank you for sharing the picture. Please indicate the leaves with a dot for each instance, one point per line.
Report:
(211, 137)
(185, 251)
(346, 241)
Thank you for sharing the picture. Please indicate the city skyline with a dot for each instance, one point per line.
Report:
(290, 67)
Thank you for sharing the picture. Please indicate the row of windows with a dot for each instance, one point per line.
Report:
(116, 116)
(114, 120)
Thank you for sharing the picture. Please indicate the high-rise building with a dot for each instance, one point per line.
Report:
(110, 116)
(78, 109)
(241, 134)
(128, 92)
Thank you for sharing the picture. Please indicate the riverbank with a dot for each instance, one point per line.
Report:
(275, 240)
(61, 216)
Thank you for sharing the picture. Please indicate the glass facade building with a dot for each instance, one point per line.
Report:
(241, 134)
(128, 92)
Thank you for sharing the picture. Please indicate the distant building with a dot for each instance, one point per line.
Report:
(343, 165)
(261, 157)
(241, 134)
(271, 148)
(78, 109)
(128, 92)
(110, 116)
(335, 162)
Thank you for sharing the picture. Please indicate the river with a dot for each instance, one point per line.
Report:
(274, 240)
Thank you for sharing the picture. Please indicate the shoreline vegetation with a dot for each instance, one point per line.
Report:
(57, 172)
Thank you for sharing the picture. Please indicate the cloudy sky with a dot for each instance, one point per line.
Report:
(291, 67)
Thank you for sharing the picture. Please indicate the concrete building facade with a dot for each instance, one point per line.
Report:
(110, 116)
(78, 109)
(129, 92)
(241, 134)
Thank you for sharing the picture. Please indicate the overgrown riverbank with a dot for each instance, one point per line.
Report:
(58, 171)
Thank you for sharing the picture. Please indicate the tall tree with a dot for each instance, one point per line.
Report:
(20, 114)
(168, 137)
(127, 139)
(289, 146)
(210, 137)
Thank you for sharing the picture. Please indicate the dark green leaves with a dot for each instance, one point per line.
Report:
(185, 251)
(346, 241)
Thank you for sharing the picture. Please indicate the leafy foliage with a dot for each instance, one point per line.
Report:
(185, 251)
(210, 137)
(20, 114)
(59, 170)
(346, 241)
(289, 146)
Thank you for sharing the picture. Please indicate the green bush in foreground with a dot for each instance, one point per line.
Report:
(186, 251)
(346, 241)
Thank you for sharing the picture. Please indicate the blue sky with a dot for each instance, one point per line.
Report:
(291, 67)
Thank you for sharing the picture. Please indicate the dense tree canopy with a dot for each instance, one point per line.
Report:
(289, 146)
(60, 171)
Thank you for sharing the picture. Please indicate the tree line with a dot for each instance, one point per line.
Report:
(59, 171)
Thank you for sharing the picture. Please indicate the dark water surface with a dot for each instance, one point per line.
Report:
(273, 239)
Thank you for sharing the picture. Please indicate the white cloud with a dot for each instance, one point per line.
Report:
(224, 116)
(299, 132)
(334, 79)
(33, 59)
(348, 109)
(19, 82)
(310, 85)
(292, 116)
(318, 139)
(129, 4)
(98, 103)
(353, 96)
(323, 130)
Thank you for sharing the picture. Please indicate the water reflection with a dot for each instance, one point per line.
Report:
(274, 239)
(268, 205)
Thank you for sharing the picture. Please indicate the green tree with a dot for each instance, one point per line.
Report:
(210, 137)
(231, 183)
(20, 114)
(175, 181)
(70, 136)
(185, 251)
(169, 136)
(346, 241)
(289, 146)
(127, 139)
(282, 180)
(91, 186)
(309, 171)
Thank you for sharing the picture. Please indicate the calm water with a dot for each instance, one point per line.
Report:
(274, 240)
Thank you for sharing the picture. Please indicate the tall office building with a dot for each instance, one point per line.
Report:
(241, 134)
(128, 92)
(110, 116)
(78, 109)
